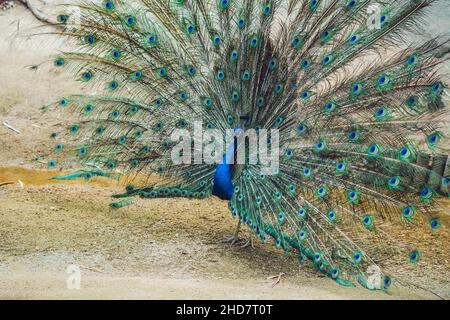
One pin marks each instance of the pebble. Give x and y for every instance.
(7, 5)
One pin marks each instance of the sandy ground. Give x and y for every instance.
(164, 248)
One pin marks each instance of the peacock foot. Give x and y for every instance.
(231, 240)
(234, 239)
(248, 243)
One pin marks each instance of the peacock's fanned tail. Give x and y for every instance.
(358, 107)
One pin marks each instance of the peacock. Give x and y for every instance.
(353, 110)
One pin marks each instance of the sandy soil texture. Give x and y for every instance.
(164, 248)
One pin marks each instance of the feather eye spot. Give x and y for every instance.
(367, 221)
(279, 88)
(82, 152)
(353, 136)
(87, 76)
(306, 172)
(88, 108)
(246, 75)
(190, 29)
(52, 163)
(191, 71)
(281, 217)
(273, 63)
(408, 212)
(426, 194)
(297, 42)
(306, 63)
(242, 23)
(109, 5)
(331, 216)
(63, 102)
(234, 55)
(434, 139)
(412, 101)
(115, 114)
(387, 282)
(394, 182)
(435, 224)
(305, 95)
(62, 18)
(353, 39)
(446, 181)
(313, 4)
(302, 235)
(356, 89)
(207, 102)
(224, 4)
(405, 154)
(302, 212)
(260, 102)
(357, 257)
(59, 147)
(162, 72)
(437, 87)
(317, 257)
(380, 112)
(327, 59)
(99, 130)
(91, 39)
(59, 62)
(412, 60)
(111, 165)
(329, 107)
(113, 85)
(183, 96)
(254, 41)
(278, 122)
(335, 273)
(267, 10)
(321, 192)
(373, 150)
(138, 134)
(351, 4)
(414, 256)
(217, 40)
(116, 54)
(341, 167)
(289, 153)
(320, 146)
(74, 128)
(152, 39)
(220, 75)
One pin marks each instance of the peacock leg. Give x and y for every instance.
(235, 237)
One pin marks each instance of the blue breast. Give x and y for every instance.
(223, 185)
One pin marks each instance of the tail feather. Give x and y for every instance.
(358, 107)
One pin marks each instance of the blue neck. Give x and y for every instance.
(223, 184)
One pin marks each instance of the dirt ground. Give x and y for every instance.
(157, 249)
